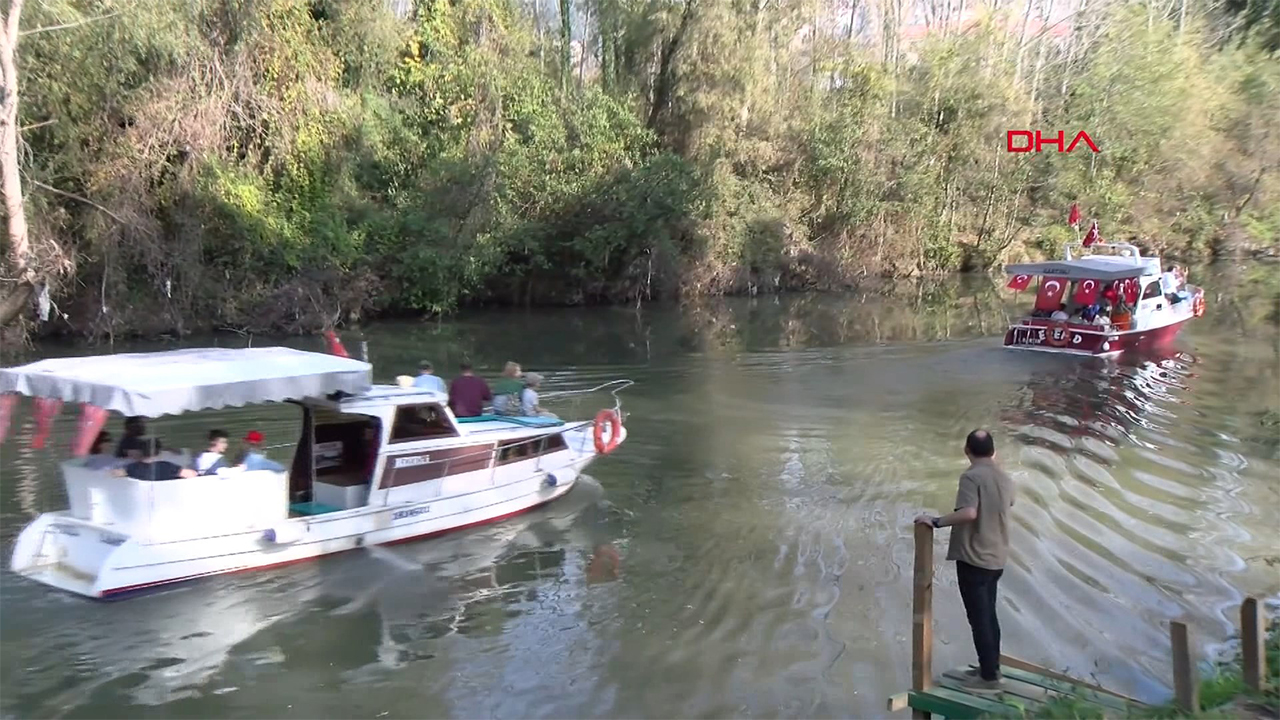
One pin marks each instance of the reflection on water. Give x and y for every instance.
(748, 550)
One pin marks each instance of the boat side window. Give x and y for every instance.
(421, 422)
(1151, 291)
(525, 448)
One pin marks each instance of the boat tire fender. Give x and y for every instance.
(610, 418)
(1197, 306)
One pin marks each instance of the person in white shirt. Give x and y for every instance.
(428, 380)
(208, 462)
(529, 397)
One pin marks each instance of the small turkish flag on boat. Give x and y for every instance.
(1087, 292)
(1019, 282)
(46, 409)
(8, 402)
(1073, 218)
(1093, 235)
(1049, 296)
(1131, 288)
(92, 418)
(335, 345)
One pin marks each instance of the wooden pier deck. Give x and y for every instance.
(1027, 688)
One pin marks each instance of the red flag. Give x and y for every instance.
(1073, 219)
(335, 345)
(8, 402)
(1019, 282)
(1093, 235)
(92, 418)
(1050, 294)
(1087, 292)
(1131, 291)
(46, 409)
(1112, 293)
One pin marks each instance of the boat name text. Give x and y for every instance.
(412, 461)
(411, 512)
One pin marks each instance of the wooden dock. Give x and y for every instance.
(1027, 688)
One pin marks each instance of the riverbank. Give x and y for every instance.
(284, 165)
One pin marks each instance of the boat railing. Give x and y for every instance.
(1127, 250)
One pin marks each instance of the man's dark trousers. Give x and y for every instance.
(978, 591)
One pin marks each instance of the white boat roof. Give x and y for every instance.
(1095, 267)
(178, 381)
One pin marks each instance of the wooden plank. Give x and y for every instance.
(1253, 629)
(952, 704)
(1078, 691)
(922, 614)
(1186, 686)
(1013, 662)
(901, 701)
(1027, 694)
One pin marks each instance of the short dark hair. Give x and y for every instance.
(464, 366)
(425, 365)
(215, 435)
(980, 444)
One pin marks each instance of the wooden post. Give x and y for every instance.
(1253, 628)
(922, 615)
(1186, 686)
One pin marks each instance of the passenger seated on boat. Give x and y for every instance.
(529, 397)
(208, 462)
(151, 467)
(427, 379)
(133, 443)
(99, 458)
(254, 459)
(506, 391)
(468, 393)
(1060, 313)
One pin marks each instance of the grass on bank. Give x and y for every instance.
(1223, 694)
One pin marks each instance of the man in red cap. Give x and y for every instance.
(254, 459)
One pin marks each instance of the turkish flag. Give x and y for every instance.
(1093, 235)
(1073, 218)
(1112, 293)
(1087, 292)
(46, 409)
(1019, 282)
(1050, 294)
(92, 418)
(335, 345)
(1131, 289)
(8, 402)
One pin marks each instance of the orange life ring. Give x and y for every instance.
(610, 418)
(1053, 329)
(1197, 306)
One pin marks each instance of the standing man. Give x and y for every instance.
(468, 393)
(980, 549)
(427, 379)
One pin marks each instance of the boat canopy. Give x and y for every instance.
(1098, 267)
(178, 381)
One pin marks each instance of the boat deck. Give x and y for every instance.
(1028, 689)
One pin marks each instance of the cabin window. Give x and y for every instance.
(525, 448)
(1152, 291)
(421, 422)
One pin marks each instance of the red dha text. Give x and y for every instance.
(1021, 141)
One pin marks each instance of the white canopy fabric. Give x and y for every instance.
(178, 381)
(1090, 268)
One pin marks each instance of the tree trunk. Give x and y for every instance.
(10, 177)
(566, 40)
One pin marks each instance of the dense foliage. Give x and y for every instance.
(288, 163)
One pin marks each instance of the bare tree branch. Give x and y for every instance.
(81, 198)
(65, 26)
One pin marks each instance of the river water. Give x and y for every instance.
(759, 512)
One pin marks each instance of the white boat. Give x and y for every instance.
(1158, 309)
(375, 464)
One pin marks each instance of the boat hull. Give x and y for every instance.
(1041, 336)
(98, 561)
